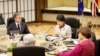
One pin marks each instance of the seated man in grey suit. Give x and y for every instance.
(18, 25)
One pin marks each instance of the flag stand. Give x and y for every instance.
(81, 17)
(94, 8)
(93, 24)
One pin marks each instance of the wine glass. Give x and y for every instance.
(11, 32)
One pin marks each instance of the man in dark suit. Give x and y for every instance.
(18, 25)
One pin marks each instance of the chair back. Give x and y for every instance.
(75, 24)
(29, 51)
(97, 47)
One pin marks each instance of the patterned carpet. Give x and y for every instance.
(49, 28)
(41, 27)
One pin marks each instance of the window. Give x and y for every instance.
(25, 7)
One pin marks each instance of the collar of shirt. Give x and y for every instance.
(17, 24)
(63, 28)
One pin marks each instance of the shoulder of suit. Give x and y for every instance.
(12, 23)
(23, 23)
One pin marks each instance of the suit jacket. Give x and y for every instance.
(12, 26)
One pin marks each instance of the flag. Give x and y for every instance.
(80, 7)
(94, 7)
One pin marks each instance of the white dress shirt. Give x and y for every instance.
(64, 32)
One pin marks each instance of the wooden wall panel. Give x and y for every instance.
(66, 3)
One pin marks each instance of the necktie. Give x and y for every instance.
(18, 27)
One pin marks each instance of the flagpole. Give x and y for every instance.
(81, 18)
(80, 9)
(94, 12)
(93, 23)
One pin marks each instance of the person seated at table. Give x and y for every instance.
(1, 19)
(29, 40)
(18, 25)
(84, 48)
(62, 30)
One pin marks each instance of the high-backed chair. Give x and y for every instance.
(11, 20)
(74, 23)
(29, 51)
(97, 47)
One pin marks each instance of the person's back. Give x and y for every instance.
(87, 48)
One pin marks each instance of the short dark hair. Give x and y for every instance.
(16, 14)
(85, 31)
(60, 17)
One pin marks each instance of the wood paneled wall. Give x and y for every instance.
(39, 5)
(69, 3)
